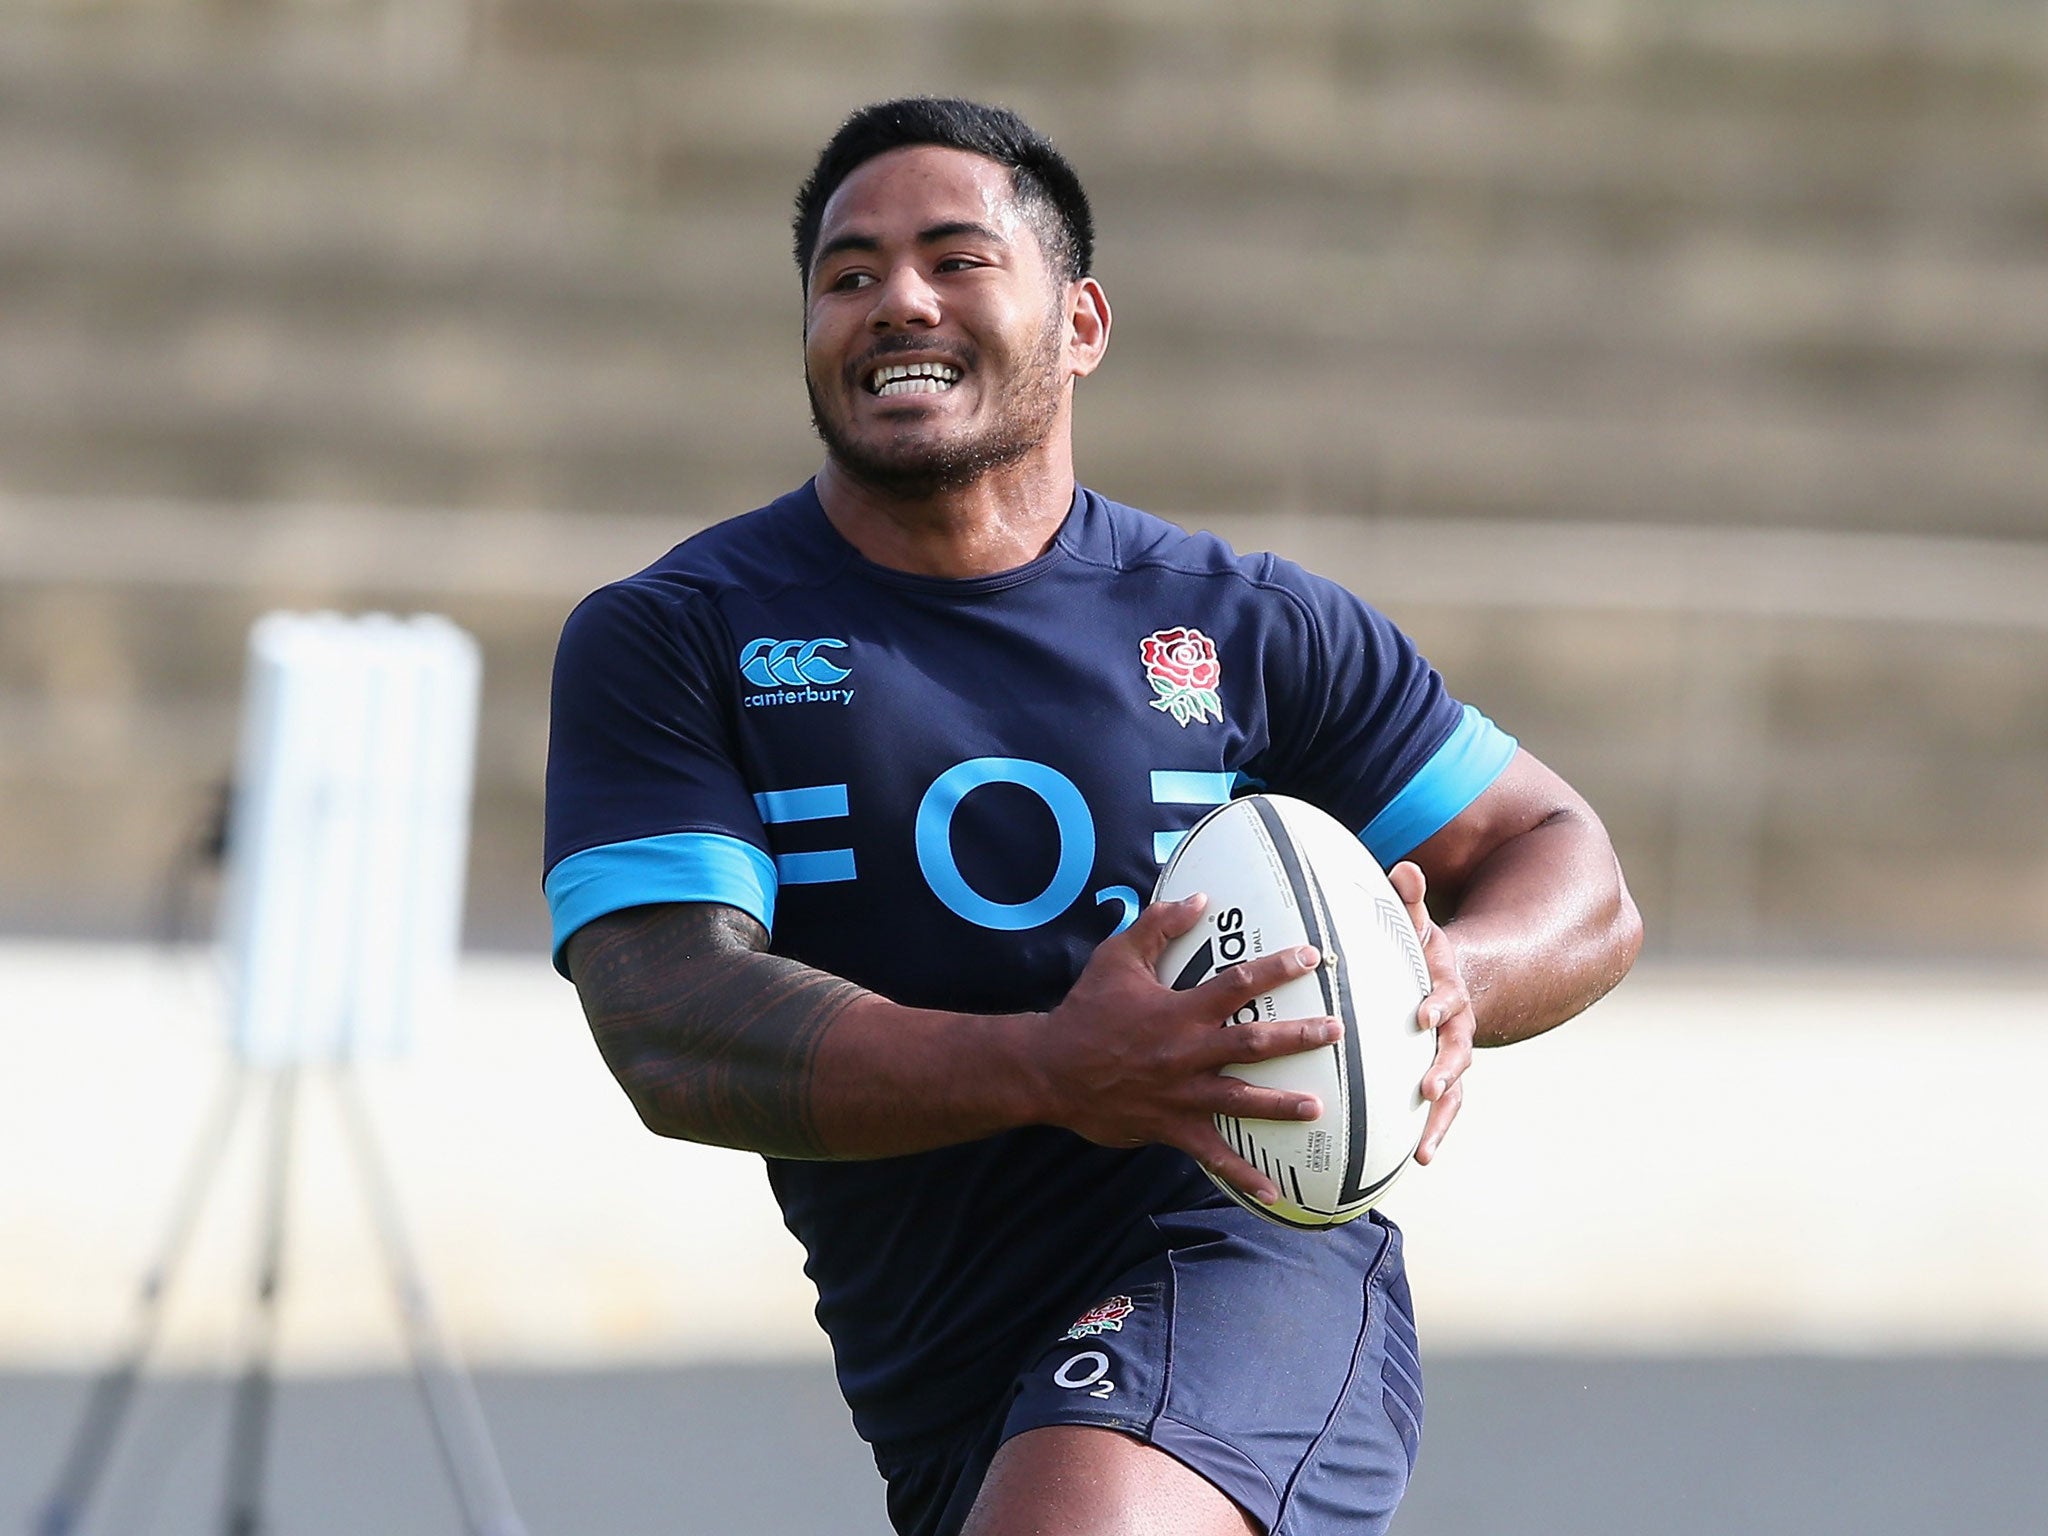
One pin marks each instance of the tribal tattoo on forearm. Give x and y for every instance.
(712, 1038)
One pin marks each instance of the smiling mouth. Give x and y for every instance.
(912, 379)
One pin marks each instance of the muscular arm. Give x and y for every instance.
(1536, 903)
(1524, 917)
(716, 1040)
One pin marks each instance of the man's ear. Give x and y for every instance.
(1087, 326)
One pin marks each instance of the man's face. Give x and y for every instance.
(935, 334)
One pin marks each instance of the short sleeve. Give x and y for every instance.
(645, 800)
(1363, 726)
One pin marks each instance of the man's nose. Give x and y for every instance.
(903, 298)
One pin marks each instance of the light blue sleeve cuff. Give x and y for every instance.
(1471, 758)
(677, 866)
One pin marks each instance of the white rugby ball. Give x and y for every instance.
(1280, 873)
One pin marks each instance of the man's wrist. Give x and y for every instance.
(906, 1079)
(1014, 1070)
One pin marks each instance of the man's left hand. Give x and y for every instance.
(1447, 1010)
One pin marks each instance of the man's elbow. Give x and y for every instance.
(643, 1075)
(657, 1098)
(656, 1115)
(1615, 925)
(1624, 937)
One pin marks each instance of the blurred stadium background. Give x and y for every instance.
(1676, 371)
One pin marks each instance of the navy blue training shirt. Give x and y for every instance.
(950, 792)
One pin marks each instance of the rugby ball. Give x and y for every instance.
(1280, 873)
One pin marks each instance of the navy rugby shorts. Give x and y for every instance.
(1280, 1365)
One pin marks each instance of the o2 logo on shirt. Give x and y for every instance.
(797, 671)
(932, 835)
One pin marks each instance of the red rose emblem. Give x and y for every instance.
(1104, 1317)
(1186, 658)
(1182, 668)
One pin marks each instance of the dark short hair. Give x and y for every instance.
(1046, 184)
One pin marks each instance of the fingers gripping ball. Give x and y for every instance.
(1280, 873)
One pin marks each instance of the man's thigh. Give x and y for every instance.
(1083, 1481)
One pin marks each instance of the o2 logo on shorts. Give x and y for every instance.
(1088, 1371)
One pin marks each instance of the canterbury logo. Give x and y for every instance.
(791, 663)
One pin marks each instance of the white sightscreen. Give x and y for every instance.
(349, 832)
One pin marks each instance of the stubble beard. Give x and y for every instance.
(922, 469)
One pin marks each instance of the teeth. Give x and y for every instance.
(913, 378)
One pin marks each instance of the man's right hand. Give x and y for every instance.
(1125, 1060)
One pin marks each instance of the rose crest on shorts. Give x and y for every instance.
(1104, 1317)
(1182, 668)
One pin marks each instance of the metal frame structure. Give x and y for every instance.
(345, 845)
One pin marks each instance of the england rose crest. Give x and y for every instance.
(1182, 668)
(1104, 1317)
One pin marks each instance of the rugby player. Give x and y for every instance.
(852, 801)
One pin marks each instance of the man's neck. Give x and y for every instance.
(1006, 518)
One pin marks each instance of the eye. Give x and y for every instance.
(957, 264)
(852, 279)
